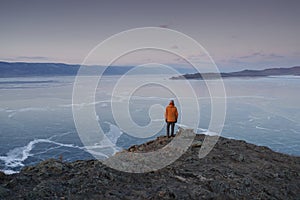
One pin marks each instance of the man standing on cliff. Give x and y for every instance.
(171, 116)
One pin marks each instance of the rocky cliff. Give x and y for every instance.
(234, 169)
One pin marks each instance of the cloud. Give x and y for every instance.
(257, 60)
(33, 57)
(254, 58)
(174, 47)
(27, 58)
(164, 26)
(296, 54)
(195, 58)
(261, 55)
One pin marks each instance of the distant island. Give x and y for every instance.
(245, 73)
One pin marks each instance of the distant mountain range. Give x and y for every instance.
(23, 69)
(245, 73)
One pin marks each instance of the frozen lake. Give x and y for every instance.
(36, 119)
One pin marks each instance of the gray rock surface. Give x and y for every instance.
(232, 170)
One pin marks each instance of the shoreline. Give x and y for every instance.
(180, 126)
(234, 169)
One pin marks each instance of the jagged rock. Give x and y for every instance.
(46, 168)
(2, 175)
(4, 192)
(197, 144)
(233, 169)
(181, 178)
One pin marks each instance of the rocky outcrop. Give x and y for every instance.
(232, 170)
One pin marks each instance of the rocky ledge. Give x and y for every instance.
(234, 169)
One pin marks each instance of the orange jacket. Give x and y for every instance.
(171, 113)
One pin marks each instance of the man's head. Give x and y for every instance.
(172, 102)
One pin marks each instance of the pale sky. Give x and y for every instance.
(237, 34)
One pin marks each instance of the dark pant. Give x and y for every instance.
(172, 124)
